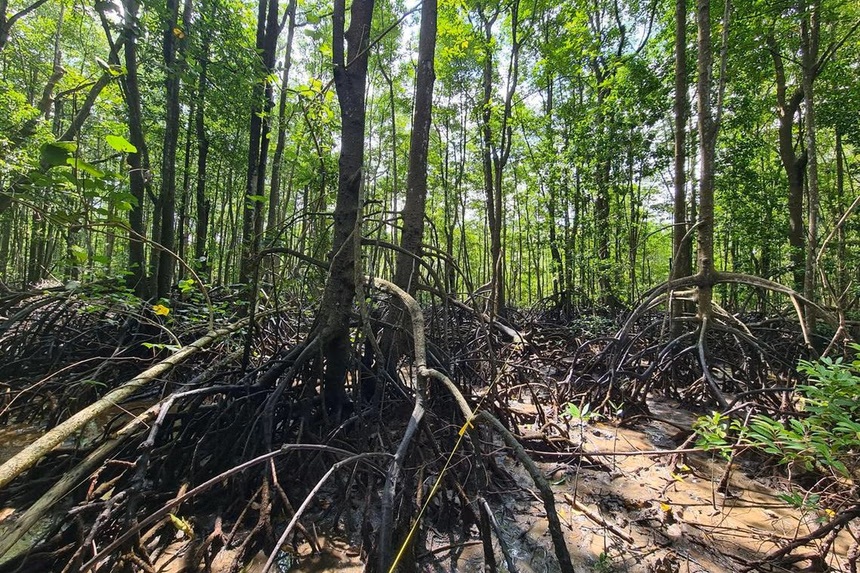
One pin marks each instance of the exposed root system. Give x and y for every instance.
(156, 433)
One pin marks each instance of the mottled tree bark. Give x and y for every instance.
(416, 178)
(350, 77)
(707, 145)
(793, 162)
(810, 32)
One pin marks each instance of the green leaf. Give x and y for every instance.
(79, 253)
(87, 168)
(57, 153)
(120, 143)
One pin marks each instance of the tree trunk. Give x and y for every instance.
(261, 107)
(558, 284)
(273, 223)
(416, 178)
(496, 151)
(405, 275)
(204, 206)
(810, 33)
(167, 195)
(707, 144)
(185, 190)
(139, 173)
(794, 164)
(681, 251)
(340, 289)
(487, 159)
(842, 250)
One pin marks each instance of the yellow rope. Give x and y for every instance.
(435, 487)
(466, 427)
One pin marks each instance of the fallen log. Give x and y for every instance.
(29, 456)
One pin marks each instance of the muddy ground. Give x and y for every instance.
(647, 513)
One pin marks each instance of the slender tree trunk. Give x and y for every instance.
(558, 286)
(842, 250)
(204, 206)
(261, 107)
(493, 222)
(167, 195)
(273, 223)
(139, 173)
(810, 32)
(603, 177)
(681, 252)
(707, 144)
(185, 191)
(496, 151)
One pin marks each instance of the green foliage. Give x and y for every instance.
(825, 435)
(120, 143)
(581, 414)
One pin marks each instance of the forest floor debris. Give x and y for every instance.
(622, 503)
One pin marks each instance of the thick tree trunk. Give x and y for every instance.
(793, 163)
(416, 178)
(350, 76)
(405, 275)
(405, 271)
